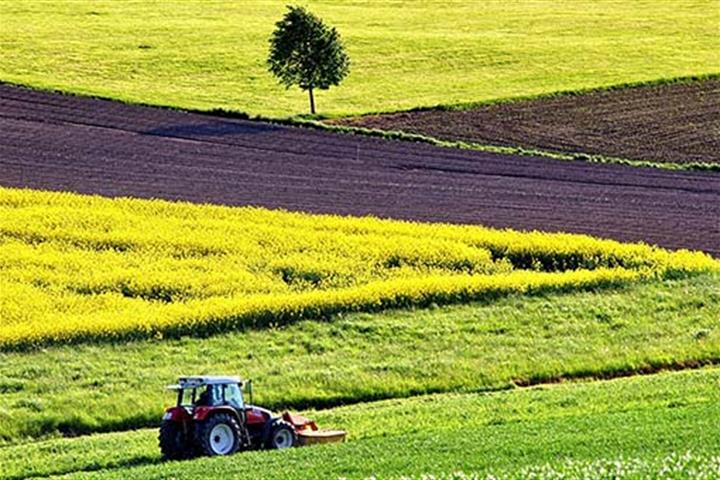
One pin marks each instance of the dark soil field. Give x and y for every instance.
(677, 123)
(94, 146)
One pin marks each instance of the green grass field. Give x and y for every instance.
(638, 425)
(211, 54)
(363, 357)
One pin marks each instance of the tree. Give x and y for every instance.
(306, 52)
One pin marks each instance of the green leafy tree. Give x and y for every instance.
(306, 52)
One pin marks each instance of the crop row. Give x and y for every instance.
(76, 267)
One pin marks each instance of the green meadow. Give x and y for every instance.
(637, 427)
(405, 54)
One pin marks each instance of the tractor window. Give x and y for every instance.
(233, 396)
(186, 396)
(209, 396)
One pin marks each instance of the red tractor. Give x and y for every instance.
(212, 418)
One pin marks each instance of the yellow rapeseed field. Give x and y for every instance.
(76, 267)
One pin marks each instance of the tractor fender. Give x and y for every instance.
(267, 429)
(176, 414)
(257, 415)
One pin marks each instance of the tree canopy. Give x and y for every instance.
(307, 53)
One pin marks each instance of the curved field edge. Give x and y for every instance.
(679, 80)
(642, 422)
(516, 150)
(355, 358)
(82, 268)
(124, 51)
(328, 124)
(417, 131)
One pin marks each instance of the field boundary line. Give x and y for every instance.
(559, 93)
(503, 150)
(449, 106)
(321, 123)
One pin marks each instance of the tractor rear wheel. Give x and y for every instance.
(174, 442)
(219, 435)
(282, 435)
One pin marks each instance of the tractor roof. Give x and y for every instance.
(199, 381)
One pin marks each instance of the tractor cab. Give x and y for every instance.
(208, 391)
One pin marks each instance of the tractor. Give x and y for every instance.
(211, 418)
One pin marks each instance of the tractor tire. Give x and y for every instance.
(282, 435)
(174, 444)
(219, 435)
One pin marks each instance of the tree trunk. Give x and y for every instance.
(312, 101)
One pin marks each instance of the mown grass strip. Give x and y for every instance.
(500, 149)
(504, 433)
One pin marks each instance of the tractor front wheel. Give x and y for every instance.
(174, 443)
(282, 435)
(219, 435)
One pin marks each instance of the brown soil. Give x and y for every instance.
(95, 146)
(663, 123)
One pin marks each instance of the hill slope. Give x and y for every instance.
(404, 54)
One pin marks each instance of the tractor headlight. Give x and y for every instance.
(167, 416)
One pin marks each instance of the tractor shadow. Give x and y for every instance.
(138, 461)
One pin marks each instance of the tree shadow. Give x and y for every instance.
(218, 128)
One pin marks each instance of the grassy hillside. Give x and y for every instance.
(209, 54)
(363, 357)
(628, 428)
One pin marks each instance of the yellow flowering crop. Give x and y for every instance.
(76, 267)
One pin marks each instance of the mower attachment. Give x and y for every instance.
(308, 432)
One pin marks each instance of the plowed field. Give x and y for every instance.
(664, 123)
(94, 146)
